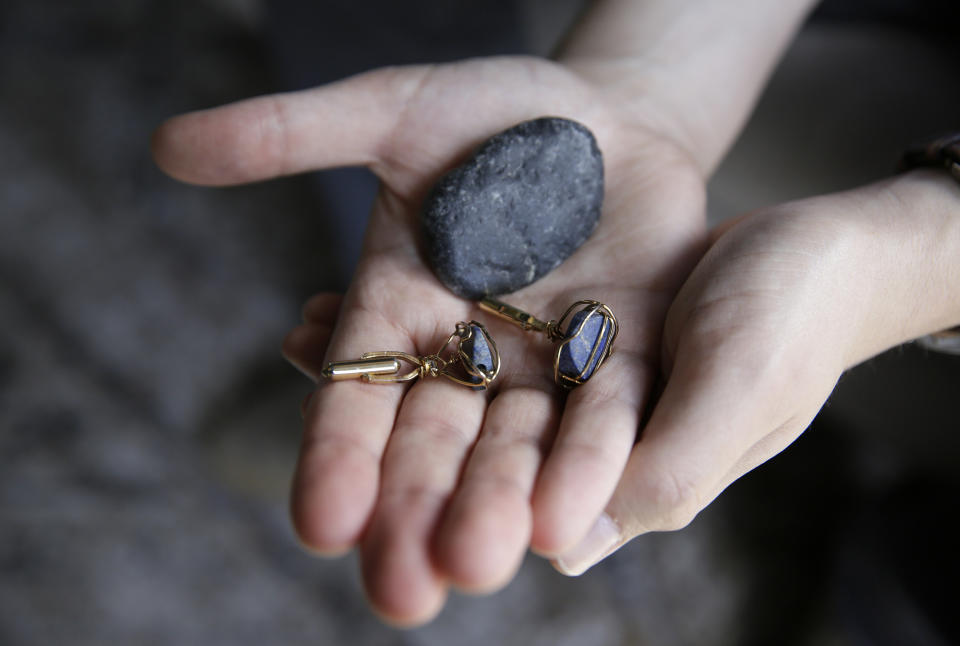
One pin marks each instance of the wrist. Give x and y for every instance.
(694, 68)
(909, 231)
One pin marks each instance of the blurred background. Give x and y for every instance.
(148, 426)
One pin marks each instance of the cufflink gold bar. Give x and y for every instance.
(377, 367)
(474, 362)
(516, 316)
(583, 346)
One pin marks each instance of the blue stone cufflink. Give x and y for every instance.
(474, 362)
(584, 343)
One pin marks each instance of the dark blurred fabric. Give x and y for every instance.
(926, 16)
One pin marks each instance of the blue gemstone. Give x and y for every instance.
(480, 354)
(580, 355)
(478, 349)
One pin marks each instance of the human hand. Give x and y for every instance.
(436, 484)
(784, 301)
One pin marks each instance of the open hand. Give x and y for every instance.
(437, 484)
(784, 301)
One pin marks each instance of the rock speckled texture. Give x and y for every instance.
(525, 201)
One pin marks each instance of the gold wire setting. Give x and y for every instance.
(554, 331)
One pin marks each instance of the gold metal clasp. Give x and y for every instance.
(513, 314)
(374, 367)
(341, 370)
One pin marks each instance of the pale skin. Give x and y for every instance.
(439, 486)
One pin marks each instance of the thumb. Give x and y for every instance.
(345, 123)
(726, 409)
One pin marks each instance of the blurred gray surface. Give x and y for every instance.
(148, 426)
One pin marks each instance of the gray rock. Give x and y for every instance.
(526, 200)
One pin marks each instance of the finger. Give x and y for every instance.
(598, 429)
(348, 423)
(437, 424)
(304, 347)
(726, 225)
(661, 484)
(341, 124)
(345, 431)
(717, 407)
(322, 308)
(486, 529)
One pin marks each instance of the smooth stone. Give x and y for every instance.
(575, 355)
(527, 199)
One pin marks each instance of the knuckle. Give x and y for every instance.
(502, 487)
(435, 429)
(671, 499)
(598, 457)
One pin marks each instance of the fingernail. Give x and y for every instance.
(600, 541)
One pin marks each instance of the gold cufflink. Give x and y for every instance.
(474, 362)
(583, 345)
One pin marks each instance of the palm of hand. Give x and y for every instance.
(438, 484)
